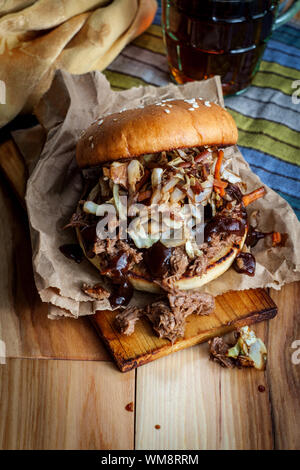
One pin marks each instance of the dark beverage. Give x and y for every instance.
(217, 37)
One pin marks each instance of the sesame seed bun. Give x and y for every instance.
(167, 125)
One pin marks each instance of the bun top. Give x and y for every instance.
(166, 125)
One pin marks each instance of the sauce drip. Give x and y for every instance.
(253, 236)
(118, 266)
(122, 294)
(157, 259)
(223, 224)
(72, 251)
(123, 290)
(207, 212)
(245, 263)
(129, 406)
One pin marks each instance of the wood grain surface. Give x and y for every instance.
(52, 404)
(200, 405)
(24, 325)
(13, 166)
(49, 404)
(283, 373)
(232, 310)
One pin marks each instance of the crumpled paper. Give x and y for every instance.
(55, 185)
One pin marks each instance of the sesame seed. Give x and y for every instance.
(167, 111)
(207, 103)
(90, 137)
(100, 122)
(191, 109)
(92, 145)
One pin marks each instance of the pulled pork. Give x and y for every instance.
(114, 247)
(96, 291)
(126, 319)
(246, 351)
(218, 349)
(178, 262)
(210, 250)
(172, 186)
(168, 314)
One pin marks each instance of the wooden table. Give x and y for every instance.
(75, 403)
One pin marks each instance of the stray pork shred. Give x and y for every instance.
(247, 351)
(218, 349)
(95, 291)
(167, 314)
(126, 319)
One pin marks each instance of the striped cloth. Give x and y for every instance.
(267, 118)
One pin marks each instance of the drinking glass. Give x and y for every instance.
(204, 38)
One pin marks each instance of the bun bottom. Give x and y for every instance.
(218, 266)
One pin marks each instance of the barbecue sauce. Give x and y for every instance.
(122, 289)
(245, 263)
(221, 224)
(121, 294)
(72, 251)
(253, 236)
(157, 259)
(118, 266)
(129, 406)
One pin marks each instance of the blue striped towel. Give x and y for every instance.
(267, 115)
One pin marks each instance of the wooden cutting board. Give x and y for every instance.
(233, 309)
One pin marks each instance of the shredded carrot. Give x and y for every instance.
(220, 183)
(220, 191)
(251, 197)
(276, 238)
(218, 186)
(218, 164)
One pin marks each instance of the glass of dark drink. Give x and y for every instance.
(204, 38)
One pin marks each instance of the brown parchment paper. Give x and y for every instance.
(54, 188)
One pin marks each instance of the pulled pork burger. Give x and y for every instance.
(162, 171)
